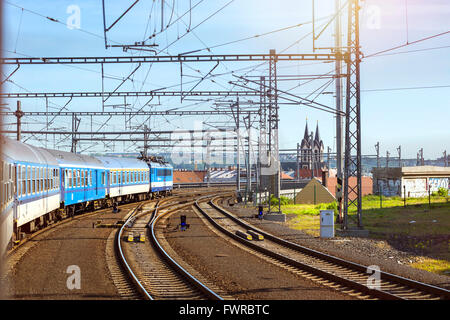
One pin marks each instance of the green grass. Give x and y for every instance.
(438, 266)
(426, 235)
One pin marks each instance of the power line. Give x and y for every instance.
(408, 44)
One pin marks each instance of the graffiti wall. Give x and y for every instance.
(436, 183)
(389, 187)
(416, 187)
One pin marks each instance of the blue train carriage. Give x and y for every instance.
(83, 182)
(128, 179)
(161, 178)
(29, 189)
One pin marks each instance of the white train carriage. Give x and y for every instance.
(127, 178)
(30, 185)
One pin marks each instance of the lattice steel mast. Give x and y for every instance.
(353, 194)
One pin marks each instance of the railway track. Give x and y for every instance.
(153, 271)
(326, 269)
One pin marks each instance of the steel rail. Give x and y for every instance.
(354, 266)
(123, 260)
(326, 275)
(208, 292)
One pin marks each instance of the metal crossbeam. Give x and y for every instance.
(123, 113)
(127, 94)
(179, 58)
(117, 132)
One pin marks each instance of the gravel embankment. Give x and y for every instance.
(239, 273)
(41, 273)
(359, 250)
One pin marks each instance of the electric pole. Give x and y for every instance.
(338, 81)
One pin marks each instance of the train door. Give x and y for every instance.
(63, 174)
(96, 183)
(164, 178)
(119, 181)
(17, 189)
(108, 182)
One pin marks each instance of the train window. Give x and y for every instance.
(42, 179)
(77, 173)
(70, 179)
(38, 176)
(103, 177)
(16, 180)
(82, 178)
(28, 180)
(23, 180)
(33, 178)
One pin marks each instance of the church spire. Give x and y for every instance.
(306, 135)
(317, 137)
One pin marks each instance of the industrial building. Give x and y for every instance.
(413, 182)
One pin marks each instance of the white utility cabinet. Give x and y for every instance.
(326, 223)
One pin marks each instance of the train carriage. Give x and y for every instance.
(161, 179)
(83, 181)
(29, 188)
(128, 178)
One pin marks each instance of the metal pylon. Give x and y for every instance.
(273, 120)
(353, 194)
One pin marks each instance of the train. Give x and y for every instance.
(40, 186)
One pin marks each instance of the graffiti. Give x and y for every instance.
(389, 187)
(436, 183)
(415, 187)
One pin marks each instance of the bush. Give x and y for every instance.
(284, 201)
(442, 192)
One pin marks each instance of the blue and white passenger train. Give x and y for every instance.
(39, 186)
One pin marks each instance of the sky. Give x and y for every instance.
(405, 93)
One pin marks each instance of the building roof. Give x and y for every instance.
(417, 171)
(285, 176)
(188, 176)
